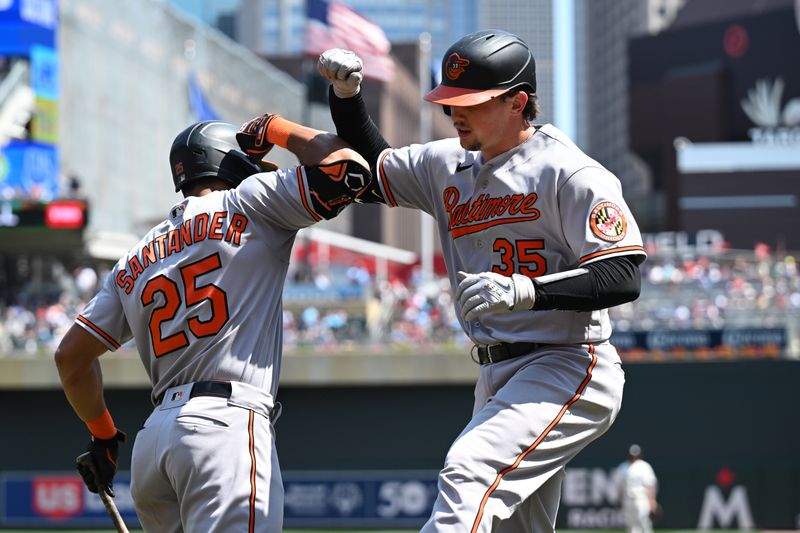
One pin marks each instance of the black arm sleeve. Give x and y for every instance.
(354, 125)
(609, 282)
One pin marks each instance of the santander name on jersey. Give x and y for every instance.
(216, 226)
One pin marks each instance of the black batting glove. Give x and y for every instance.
(252, 137)
(98, 465)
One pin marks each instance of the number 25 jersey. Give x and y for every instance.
(202, 292)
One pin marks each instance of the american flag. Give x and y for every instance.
(331, 24)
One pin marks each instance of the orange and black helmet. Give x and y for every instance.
(483, 65)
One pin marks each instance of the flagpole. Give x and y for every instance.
(283, 27)
(426, 222)
(306, 68)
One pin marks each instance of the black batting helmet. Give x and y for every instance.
(209, 150)
(483, 65)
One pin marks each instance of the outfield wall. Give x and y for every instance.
(722, 437)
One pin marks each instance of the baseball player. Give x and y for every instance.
(638, 487)
(201, 296)
(538, 243)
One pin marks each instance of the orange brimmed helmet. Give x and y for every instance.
(481, 66)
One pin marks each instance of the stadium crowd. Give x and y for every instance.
(732, 290)
(345, 307)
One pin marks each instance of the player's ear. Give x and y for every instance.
(518, 103)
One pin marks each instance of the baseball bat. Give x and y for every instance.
(111, 508)
(113, 512)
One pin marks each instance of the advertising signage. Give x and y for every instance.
(746, 68)
(26, 23)
(726, 496)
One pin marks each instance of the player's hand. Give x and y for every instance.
(656, 511)
(98, 465)
(344, 69)
(252, 136)
(488, 292)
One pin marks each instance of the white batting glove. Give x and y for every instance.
(344, 69)
(488, 292)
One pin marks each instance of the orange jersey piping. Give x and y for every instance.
(303, 195)
(621, 249)
(536, 443)
(108, 338)
(385, 181)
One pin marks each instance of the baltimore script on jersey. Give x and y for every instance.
(491, 210)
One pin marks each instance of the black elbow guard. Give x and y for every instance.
(371, 193)
(334, 186)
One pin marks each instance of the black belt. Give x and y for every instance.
(505, 350)
(221, 389)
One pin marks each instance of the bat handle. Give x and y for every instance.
(113, 512)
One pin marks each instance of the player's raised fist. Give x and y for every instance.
(344, 69)
(252, 136)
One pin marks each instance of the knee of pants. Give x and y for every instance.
(462, 466)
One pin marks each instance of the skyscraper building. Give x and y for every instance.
(609, 25)
(532, 20)
(600, 31)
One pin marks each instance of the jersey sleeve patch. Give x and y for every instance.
(608, 222)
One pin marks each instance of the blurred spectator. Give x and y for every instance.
(73, 187)
(86, 282)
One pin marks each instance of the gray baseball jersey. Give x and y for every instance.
(197, 313)
(202, 295)
(543, 207)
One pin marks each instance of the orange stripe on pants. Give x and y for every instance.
(252, 527)
(536, 443)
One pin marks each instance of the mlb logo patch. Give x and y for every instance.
(176, 396)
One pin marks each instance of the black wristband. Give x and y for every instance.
(354, 125)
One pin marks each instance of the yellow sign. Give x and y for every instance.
(44, 125)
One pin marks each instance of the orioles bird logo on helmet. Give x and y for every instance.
(456, 65)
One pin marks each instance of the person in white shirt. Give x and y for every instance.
(638, 487)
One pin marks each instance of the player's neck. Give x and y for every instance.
(508, 142)
(207, 188)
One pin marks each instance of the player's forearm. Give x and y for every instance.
(83, 385)
(354, 125)
(603, 284)
(79, 370)
(313, 147)
(310, 145)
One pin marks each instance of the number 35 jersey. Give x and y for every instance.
(201, 293)
(541, 208)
